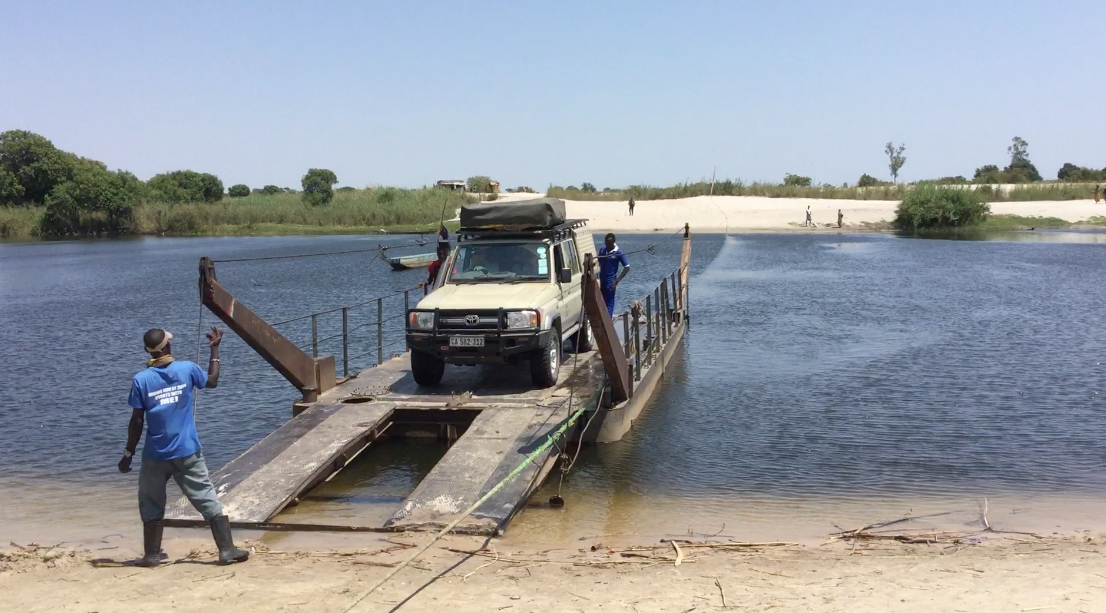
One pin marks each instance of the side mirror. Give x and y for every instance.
(564, 276)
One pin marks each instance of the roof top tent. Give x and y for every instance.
(521, 218)
(455, 185)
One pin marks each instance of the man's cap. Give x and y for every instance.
(609, 235)
(156, 339)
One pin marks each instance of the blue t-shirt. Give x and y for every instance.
(165, 393)
(608, 266)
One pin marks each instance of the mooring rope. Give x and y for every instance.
(550, 441)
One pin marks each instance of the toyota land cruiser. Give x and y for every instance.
(509, 292)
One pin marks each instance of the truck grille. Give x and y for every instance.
(472, 320)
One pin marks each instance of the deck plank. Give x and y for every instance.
(461, 476)
(259, 483)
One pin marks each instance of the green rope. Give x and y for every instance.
(553, 436)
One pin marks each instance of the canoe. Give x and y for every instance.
(405, 262)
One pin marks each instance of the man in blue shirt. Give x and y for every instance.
(161, 396)
(610, 256)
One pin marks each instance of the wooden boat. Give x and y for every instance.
(407, 262)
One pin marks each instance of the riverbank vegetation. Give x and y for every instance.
(930, 207)
(48, 192)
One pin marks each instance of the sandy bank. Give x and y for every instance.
(999, 573)
(747, 213)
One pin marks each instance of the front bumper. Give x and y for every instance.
(499, 347)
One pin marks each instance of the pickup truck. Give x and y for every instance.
(510, 291)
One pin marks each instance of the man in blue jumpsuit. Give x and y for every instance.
(610, 257)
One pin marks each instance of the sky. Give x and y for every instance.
(612, 93)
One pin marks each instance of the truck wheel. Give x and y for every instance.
(584, 339)
(427, 369)
(545, 363)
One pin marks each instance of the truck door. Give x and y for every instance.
(571, 293)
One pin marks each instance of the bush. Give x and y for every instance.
(1079, 174)
(588, 188)
(94, 201)
(272, 189)
(522, 189)
(796, 180)
(478, 183)
(928, 207)
(186, 186)
(318, 186)
(867, 180)
(238, 191)
(988, 174)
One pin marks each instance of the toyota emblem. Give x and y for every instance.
(472, 320)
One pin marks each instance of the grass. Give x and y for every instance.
(1020, 222)
(362, 211)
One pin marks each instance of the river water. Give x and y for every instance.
(826, 380)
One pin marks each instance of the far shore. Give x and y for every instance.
(718, 214)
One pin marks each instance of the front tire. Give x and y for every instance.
(584, 339)
(545, 363)
(426, 368)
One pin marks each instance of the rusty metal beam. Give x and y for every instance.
(311, 376)
(614, 362)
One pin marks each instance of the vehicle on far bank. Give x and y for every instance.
(509, 292)
(453, 185)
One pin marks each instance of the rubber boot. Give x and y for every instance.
(151, 544)
(228, 553)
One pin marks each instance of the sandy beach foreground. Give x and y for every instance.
(996, 573)
(751, 214)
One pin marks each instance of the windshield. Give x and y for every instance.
(501, 262)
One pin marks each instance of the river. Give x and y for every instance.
(825, 380)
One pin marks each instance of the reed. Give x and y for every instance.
(930, 207)
(350, 210)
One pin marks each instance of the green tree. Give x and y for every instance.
(796, 180)
(988, 174)
(318, 186)
(895, 159)
(36, 163)
(11, 192)
(867, 180)
(94, 201)
(588, 188)
(238, 191)
(272, 189)
(1020, 170)
(186, 186)
(478, 183)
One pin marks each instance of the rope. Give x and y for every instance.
(295, 255)
(550, 441)
(651, 248)
(553, 436)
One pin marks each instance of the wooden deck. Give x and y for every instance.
(513, 419)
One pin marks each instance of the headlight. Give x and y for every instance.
(522, 319)
(420, 320)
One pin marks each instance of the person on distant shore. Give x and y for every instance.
(1096, 194)
(632, 203)
(443, 235)
(808, 222)
(436, 265)
(840, 217)
(610, 257)
(161, 395)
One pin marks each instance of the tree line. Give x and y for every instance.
(80, 196)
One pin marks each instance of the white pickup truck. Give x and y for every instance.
(510, 291)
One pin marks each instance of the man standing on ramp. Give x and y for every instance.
(610, 256)
(161, 396)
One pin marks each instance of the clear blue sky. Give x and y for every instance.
(530, 93)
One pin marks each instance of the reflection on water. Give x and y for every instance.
(823, 381)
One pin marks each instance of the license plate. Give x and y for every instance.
(466, 341)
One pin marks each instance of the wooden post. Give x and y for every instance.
(345, 341)
(379, 331)
(648, 328)
(636, 314)
(314, 335)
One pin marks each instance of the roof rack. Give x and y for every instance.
(555, 232)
